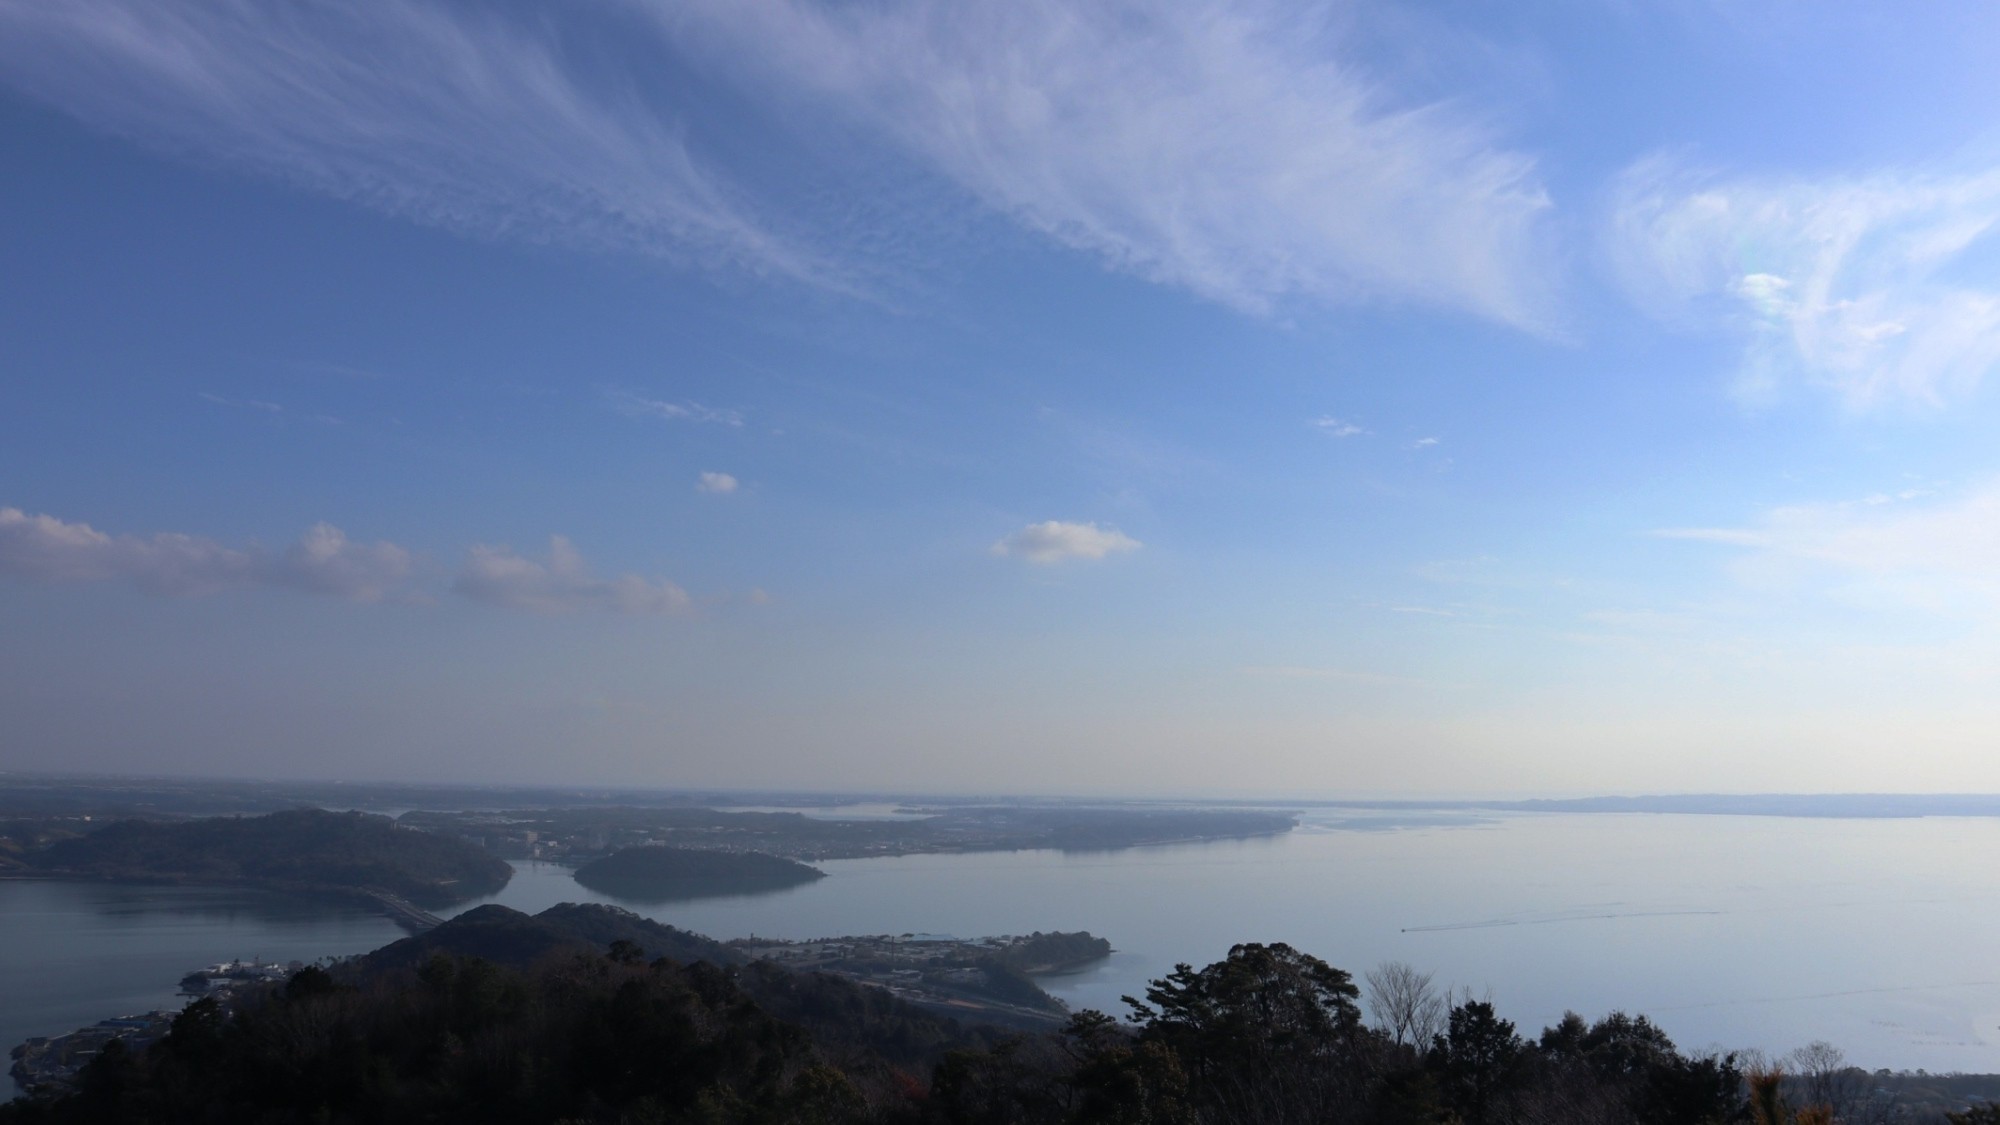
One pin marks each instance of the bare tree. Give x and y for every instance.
(1826, 1079)
(1405, 1004)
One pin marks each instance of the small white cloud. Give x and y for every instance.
(1336, 427)
(324, 561)
(498, 576)
(635, 406)
(716, 483)
(1054, 540)
(1423, 443)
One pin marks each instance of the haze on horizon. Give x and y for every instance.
(1233, 397)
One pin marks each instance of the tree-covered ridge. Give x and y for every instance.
(609, 1039)
(300, 849)
(508, 937)
(661, 873)
(1267, 1036)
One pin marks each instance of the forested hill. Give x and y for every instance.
(508, 937)
(1057, 952)
(301, 849)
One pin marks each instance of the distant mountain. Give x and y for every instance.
(300, 849)
(666, 874)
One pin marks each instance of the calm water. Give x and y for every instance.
(1878, 936)
(75, 953)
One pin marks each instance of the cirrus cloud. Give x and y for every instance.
(637, 406)
(1054, 541)
(1234, 149)
(1869, 286)
(1909, 547)
(439, 113)
(1230, 149)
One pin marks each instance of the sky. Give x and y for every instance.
(1233, 398)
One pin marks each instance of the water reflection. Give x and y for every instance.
(140, 903)
(76, 953)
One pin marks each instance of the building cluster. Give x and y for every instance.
(52, 1061)
(226, 975)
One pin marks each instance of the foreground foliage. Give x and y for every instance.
(1267, 1036)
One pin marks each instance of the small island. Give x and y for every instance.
(656, 873)
(309, 851)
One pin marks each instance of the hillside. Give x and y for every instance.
(843, 1016)
(301, 850)
(508, 937)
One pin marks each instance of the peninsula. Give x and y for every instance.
(302, 850)
(574, 835)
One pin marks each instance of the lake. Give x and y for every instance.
(1875, 935)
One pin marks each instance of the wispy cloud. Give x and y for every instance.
(243, 403)
(1336, 427)
(1054, 541)
(1231, 149)
(719, 484)
(324, 561)
(1910, 547)
(273, 410)
(444, 114)
(563, 584)
(636, 406)
(1871, 286)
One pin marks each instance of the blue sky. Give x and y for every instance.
(1097, 397)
